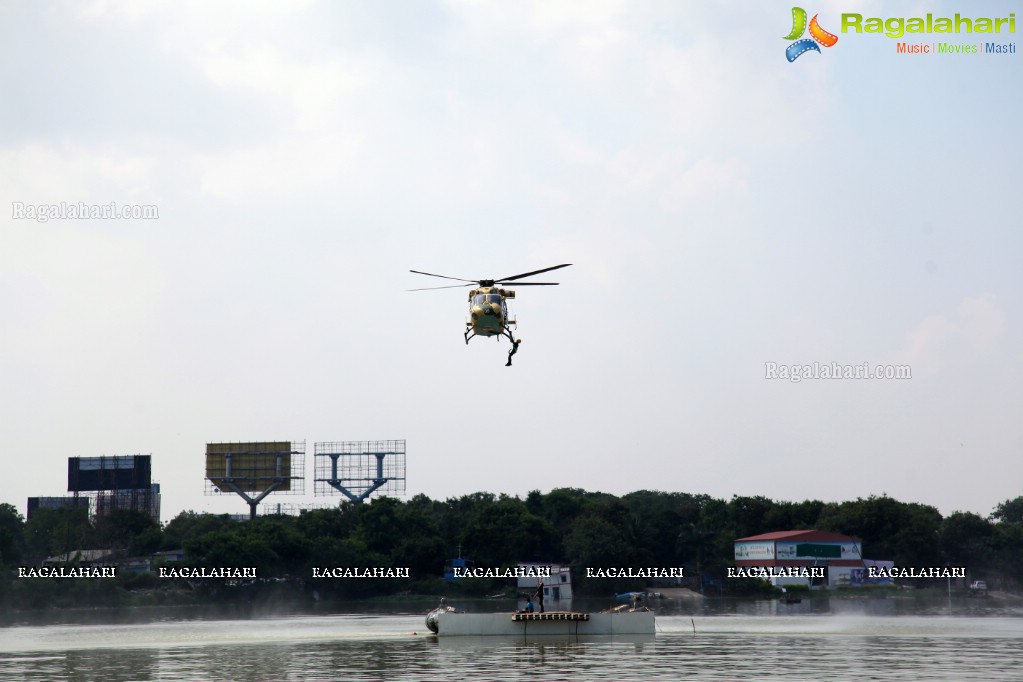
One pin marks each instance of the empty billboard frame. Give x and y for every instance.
(358, 468)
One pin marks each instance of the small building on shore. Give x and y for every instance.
(86, 558)
(556, 587)
(834, 556)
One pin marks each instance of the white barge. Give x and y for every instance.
(445, 621)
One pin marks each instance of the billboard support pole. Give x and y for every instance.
(365, 467)
(376, 483)
(253, 501)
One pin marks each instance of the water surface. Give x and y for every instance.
(855, 644)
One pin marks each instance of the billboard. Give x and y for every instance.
(129, 472)
(252, 467)
(861, 576)
(35, 503)
(819, 550)
(754, 551)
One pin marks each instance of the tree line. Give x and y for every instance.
(565, 525)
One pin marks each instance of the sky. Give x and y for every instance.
(724, 211)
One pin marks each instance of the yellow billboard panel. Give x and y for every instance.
(250, 466)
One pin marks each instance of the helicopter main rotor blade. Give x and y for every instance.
(450, 286)
(458, 279)
(531, 284)
(530, 274)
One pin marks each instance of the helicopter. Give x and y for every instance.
(488, 304)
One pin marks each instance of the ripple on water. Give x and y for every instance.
(384, 648)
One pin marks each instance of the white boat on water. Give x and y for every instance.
(446, 621)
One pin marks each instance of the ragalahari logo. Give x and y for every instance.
(818, 35)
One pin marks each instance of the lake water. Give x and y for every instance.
(732, 641)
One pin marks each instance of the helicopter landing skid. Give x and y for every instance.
(471, 334)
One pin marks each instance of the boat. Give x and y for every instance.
(453, 567)
(638, 596)
(445, 621)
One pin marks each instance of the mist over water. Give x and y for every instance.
(732, 640)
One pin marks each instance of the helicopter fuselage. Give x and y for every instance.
(488, 310)
(488, 307)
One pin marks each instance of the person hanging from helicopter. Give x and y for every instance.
(488, 304)
(513, 351)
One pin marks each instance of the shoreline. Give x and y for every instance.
(676, 601)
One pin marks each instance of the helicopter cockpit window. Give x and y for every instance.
(479, 299)
(495, 298)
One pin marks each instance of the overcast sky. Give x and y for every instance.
(722, 209)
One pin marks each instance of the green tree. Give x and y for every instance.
(1010, 511)
(794, 515)
(716, 521)
(1008, 543)
(319, 524)
(907, 533)
(503, 532)
(749, 515)
(968, 540)
(562, 506)
(190, 524)
(132, 531)
(657, 519)
(51, 532)
(601, 539)
(288, 550)
(12, 535)
(229, 548)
